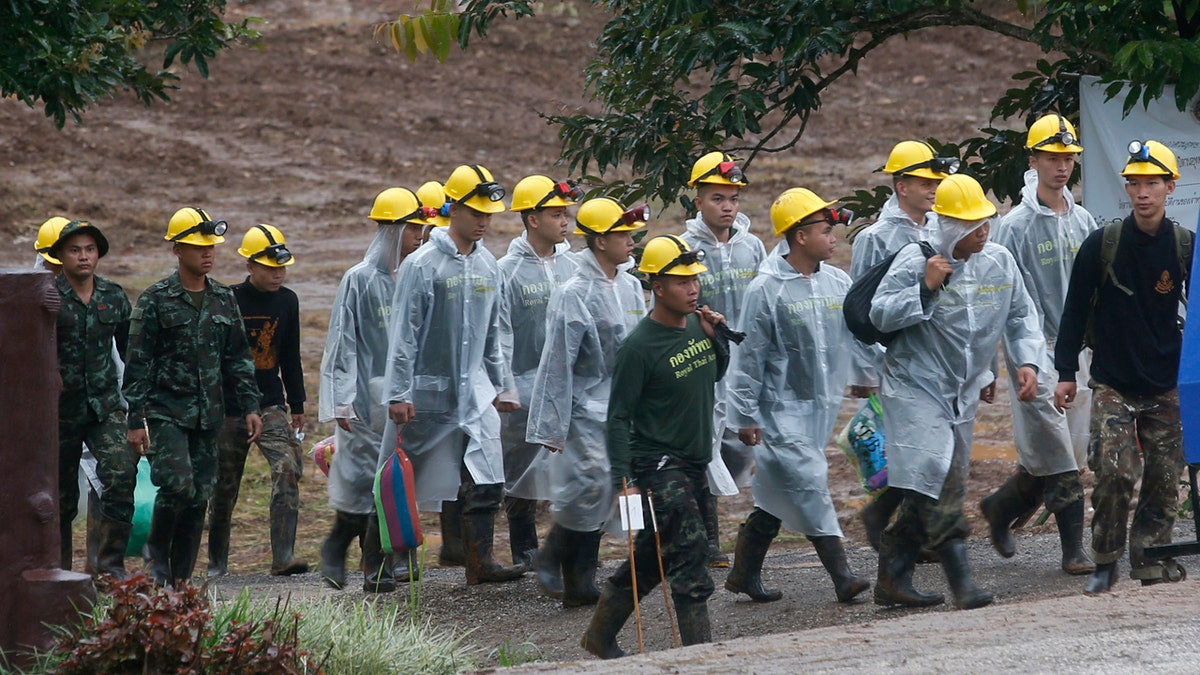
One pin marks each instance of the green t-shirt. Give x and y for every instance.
(662, 396)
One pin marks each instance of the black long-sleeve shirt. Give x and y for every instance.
(1136, 338)
(272, 321)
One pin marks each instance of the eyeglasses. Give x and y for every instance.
(729, 170)
(488, 189)
(1063, 136)
(212, 228)
(277, 251)
(947, 165)
(1139, 151)
(564, 189)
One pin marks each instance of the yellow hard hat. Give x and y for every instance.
(671, 255)
(916, 158)
(47, 235)
(473, 185)
(541, 192)
(193, 226)
(1150, 158)
(717, 168)
(793, 206)
(1053, 133)
(961, 197)
(603, 215)
(265, 244)
(395, 204)
(431, 195)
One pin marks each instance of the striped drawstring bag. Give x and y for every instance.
(396, 504)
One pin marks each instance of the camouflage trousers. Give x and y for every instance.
(116, 465)
(1134, 436)
(183, 464)
(676, 490)
(278, 446)
(1057, 491)
(932, 522)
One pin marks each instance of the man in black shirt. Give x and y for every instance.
(1126, 285)
(271, 315)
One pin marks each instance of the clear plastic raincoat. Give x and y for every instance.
(933, 371)
(788, 378)
(527, 281)
(732, 265)
(587, 320)
(355, 351)
(445, 359)
(1044, 244)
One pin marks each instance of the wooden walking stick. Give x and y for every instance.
(662, 574)
(637, 612)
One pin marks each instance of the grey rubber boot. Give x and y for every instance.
(1070, 533)
(748, 557)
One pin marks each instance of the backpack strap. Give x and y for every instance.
(1184, 240)
(1108, 254)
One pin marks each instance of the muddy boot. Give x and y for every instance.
(548, 562)
(218, 545)
(746, 575)
(893, 586)
(1070, 533)
(406, 566)
(958, 572)
(185, 544)
(346, 528)
(377, 566)
(692, 615)
(452, 553)
(522, 529)
(878, 513)
(66, 550)
(612, 610)
(1002, 508)
(283, 542)
(158, 543)
(582, 554)
(1102, 579)
(712, 530)
(94, 519)
(833, 556)
(114, 538)
(477, 535)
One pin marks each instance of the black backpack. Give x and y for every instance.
(857, 305)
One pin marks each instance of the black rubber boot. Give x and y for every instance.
(452, 554)
(612, 611)
(218, 544)
(114, 538)
(482, 567)
(283, 542)
(548, 562)
(67, 549)
(833, 556)
(94, 535)
(346, 528)
(692, 615)
(377, 566)
(958, 572)
(582, 557)
(1070, 532)
(522, 529)
(406, 567)
(1102, 580)
(185, 543)
(712, 531)
(746, 575)
(1001, 509)
(893, 586)
(878, 513)
(158, 543)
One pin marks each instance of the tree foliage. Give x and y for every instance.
(675, 78)
(66, 55)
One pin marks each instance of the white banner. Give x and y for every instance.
(1105, 136)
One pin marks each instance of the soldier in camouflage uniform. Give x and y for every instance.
(186, 340)
(659, 436)
(95, 311)
(1125, 303)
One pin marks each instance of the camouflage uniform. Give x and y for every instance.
(89, 406)
(1120, 424)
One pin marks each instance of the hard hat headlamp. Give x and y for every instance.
(729, 170)
(444, 210)
(563, 189)
(1139, 151)
(488, 189)
(947, 165)
(207, 226)
(276, 251)
(1063, 136)
(638, 214)
(428, 212)
(685, 256)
